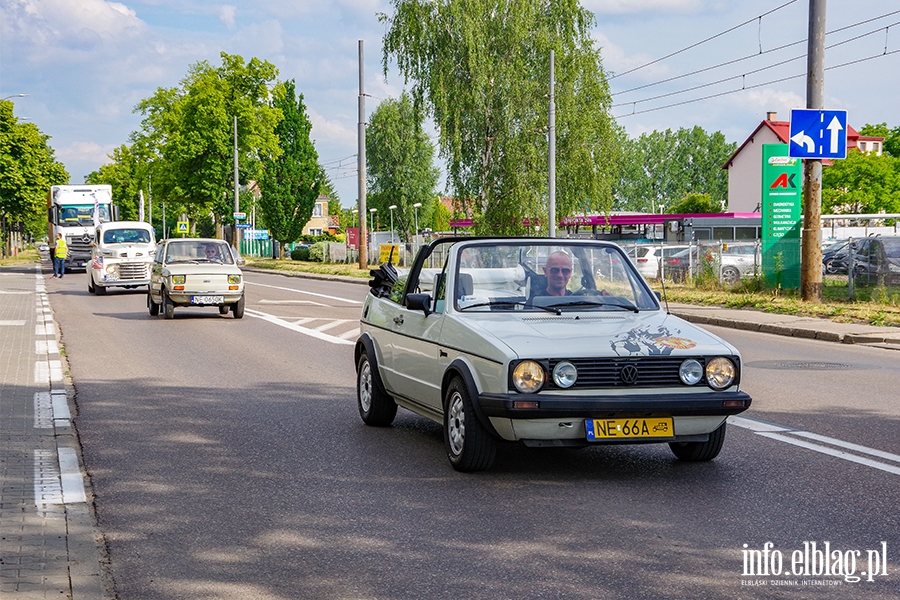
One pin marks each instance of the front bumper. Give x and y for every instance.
(184, 298)
(657, 404)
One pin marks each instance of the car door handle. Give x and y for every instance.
(398, 320)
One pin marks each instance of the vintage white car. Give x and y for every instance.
(195, 272)
(121, 255)
(549, 342)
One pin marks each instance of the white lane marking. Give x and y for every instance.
(292, 302)
(849, 446)
(294, 327)
(60, 402)
(46, 347)
(832, 452)
(12, 323)
(353, 333)
(42, 373)
(47, 490)
(70, 477)
(782, 433)
(333, 324)
(43, 411)
(287, 289)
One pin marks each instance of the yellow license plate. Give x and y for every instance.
(627, 429)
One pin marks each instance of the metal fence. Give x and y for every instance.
(863, 269)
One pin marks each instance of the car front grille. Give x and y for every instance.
(644, 372)
(134, 271)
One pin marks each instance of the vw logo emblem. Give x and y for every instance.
(629, 374)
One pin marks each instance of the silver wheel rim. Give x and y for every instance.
(456, 424)
(365, 386)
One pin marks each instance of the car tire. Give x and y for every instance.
(100, 290)
(152, 306)
(91, 288)
(376, 407)
(470, 447)
(829, 267)
(731, 275)
(224, 308)
(168, 306)
(700, 451)
(238, 308)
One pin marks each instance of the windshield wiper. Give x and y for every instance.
(510, 303)
(623, 304)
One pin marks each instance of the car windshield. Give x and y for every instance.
(126, 236)
(539, 275)
(198, 251)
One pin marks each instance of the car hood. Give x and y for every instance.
(600, 334)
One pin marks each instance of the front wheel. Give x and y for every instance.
(238, 309)
(91, 288)
(168, 306)
(470, 447)
(376, 407)
(152, 306)
(700, 451)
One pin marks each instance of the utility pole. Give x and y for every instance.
(234, 228)
(811, 250)
(551, 134)
(361, 168)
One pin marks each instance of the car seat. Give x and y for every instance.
(465, 285)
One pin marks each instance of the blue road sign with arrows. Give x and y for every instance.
(818, 133)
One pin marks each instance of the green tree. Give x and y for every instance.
(291, 177)
(694, 204)
(661, 167)
(481, 69)
(27, 170)
(400, 164)
(190, 129)
(127, 175)
(861, 184)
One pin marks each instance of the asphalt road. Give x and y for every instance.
(228, 461)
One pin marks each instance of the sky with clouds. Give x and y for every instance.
(85, 64)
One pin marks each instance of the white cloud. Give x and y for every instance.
(227, 14)
(84, 152)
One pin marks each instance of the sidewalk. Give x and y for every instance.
(48, 542)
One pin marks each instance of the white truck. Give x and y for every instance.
(75, 211)
(121, 255)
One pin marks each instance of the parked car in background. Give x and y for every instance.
(551, 343)
(736, 259)
(43, 247)
(877, 261)
(648, 258)
(195, 272)
(835, 257)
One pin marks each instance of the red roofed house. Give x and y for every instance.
(745, 165)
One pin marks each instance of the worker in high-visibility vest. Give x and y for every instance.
(59, 257)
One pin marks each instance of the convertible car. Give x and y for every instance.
(546, 342)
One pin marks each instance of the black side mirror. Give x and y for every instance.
(419, 302)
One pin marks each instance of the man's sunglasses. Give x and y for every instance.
(557, 270)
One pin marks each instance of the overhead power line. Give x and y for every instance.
(718, 35)
(760, 53)
(750, 87)
(753, 72)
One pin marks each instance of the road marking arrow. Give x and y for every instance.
(834, 127)
(801, 139)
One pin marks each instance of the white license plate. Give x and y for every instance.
(207, 299)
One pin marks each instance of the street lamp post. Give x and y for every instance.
(15, 96)
(372, 212)
(391, 208)
(416, 207)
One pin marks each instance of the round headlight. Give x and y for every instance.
(528, 376)
(565, 374)
(720, 373)
(112, 269)
(691, 371)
